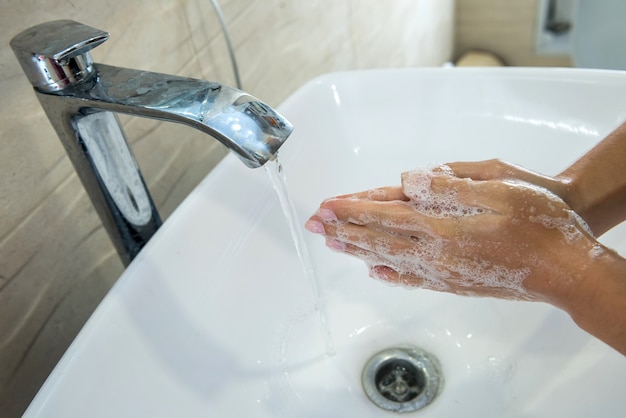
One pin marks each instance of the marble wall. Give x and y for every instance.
(505, 28)
(56, 262)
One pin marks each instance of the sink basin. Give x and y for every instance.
(216, 318)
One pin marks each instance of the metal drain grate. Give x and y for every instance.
(402, 379)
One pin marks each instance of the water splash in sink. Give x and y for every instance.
(278, 178)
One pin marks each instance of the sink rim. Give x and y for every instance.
(122, 286)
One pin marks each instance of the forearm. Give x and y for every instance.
(596, 183)
(599, 304)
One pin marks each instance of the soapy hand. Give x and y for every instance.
(494, 229)
(441, 230)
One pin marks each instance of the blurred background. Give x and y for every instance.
(56, 262)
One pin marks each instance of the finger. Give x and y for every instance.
(485, 170)
(500, 170)
(379, 194)
(423, 280)
(383, 269)
(398, 217)
(389, 275)
(446, 195)
(383, 243)
(422, 256)
(435, 274)
(405, 219)
(315, 226)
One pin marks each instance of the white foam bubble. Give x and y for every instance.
(377, 194)
(416, 185)
(596, 251)
(571, 226)
(581, 222)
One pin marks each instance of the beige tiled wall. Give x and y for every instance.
(505, 28)
(56, 262)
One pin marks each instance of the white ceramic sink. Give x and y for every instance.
(214, 317)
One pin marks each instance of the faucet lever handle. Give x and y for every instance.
(55, 54)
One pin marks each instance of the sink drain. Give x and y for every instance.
(402, 379)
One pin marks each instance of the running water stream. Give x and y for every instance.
(279, 181)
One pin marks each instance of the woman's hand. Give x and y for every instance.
(504, 238)
(494, 229)
(488, 229)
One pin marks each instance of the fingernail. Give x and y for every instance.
(326, 215)
(383, 273)
(314, 226)
(335, 245)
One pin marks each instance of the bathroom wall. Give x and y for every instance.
(56, 262)
(505, 28)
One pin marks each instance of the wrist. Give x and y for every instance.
(597, 302)
(567, 188)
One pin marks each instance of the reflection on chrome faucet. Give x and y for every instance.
(81, 99)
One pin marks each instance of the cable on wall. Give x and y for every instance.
(231, 51)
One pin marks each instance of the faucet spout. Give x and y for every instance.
(81, 100)
(248, 127)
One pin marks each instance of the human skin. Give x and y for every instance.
(495, 229)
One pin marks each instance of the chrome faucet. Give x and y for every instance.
(81, 98)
